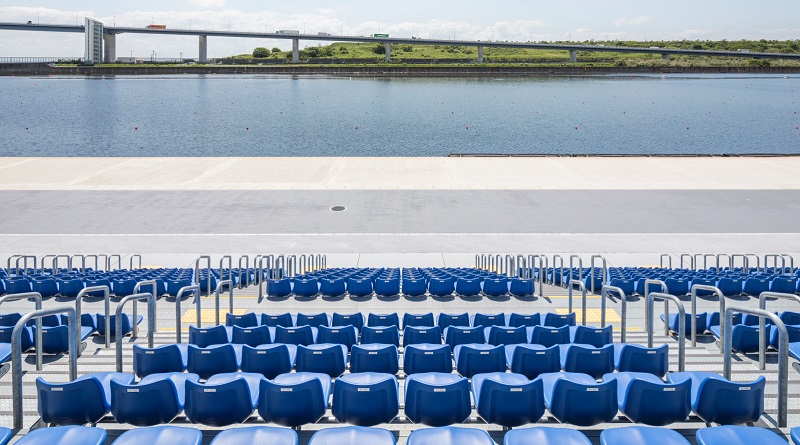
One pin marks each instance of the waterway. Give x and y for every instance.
(216, 115)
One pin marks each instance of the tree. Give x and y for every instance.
(379, 49)
(260, 52)
(276, 50)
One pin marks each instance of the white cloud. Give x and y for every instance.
(209, 4)
(632, 21)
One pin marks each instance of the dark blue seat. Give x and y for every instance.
(638, 358)
(739, 435)
(161, 435)
(712, 319)
(70, 287)
(124, 287)
(587, 359)
(717, 400)
(175, 285)
(374, 357)
(26, 340)
(294, 399)
(202, 337)
(414, 287)
(544, 435)
(273, 320)
(677, 286)
(359, 287)
(743, 338)
(300, 335)
(589, 335)
(255, 435)
(387, 335)
(645, 398)
(269, 360)
(529, 320)
(332, 287)
(533, 360)
(508, 400)
(578, 399)
(479, 358)
(436, 399)
(343, 335)
(356, 320)
(627, 285)
(785, 285)
(754, 286)
(215, 359)
(225, 399)
(352, 435)
(389, 287)
(488, 320)
(161, 359)
(247, 320)
(446, 320)
(5, 435)
(374, 320)
(279, 288)
(506, 335)
(521, 287)
(65, 435)
(305, 287)
(495, 287)
(10, 319)
(449, 436)
(795, 433)
(730, 286)
(127, 324)
(55, 339)
(793, 330)
(365, 399)
(421, 358)
(325, 358)
(84, 400)
(701, 320)
(5, 353)
(418, 320)
(421, 334)
(441, 287)
(790, 318)
(313, 320)
(18, 286)
(45, 286)
(638, 435)
(468, 287)
(251, 336)
(460, 335)
(156, 399)
(549, 336)
(559, 320)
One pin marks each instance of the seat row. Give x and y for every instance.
(174, 435)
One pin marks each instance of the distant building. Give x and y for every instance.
(94, 41)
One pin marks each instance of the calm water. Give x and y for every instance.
(322, 116)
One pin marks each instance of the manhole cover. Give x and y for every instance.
(338, 208)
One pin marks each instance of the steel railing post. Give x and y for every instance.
(651, 297)
(605, 292)
(150, 299)
(37, 297)
(106, 306)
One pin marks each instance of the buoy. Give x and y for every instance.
(576, 127)
(135, 128)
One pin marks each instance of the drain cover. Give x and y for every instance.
(338, 208)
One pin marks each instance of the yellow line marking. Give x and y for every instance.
(208, 315)
(593, 315)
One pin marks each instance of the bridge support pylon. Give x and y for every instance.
(480, 54)
(109, 48)
(388, 52)
(573, 55)
(295, 50)
(665, 57)
(203, 49)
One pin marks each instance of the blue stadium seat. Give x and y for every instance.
(365, 399)
(509, 400)
(645, 398)
(127, 324)
(530, 320)
(305, 287)
(468, 287)
(638, 435)
(386, 335)
(533, 360)
(446, 320)
(359, 287)
(175, 286)
(65, 435)
(521, 287)
(379, 320)
(124, 287)
(460, 335)
(627, 286)
(785, 285)
(795, 434)
(332, 287)
(352, 435)
(677, 286)
(589, 335)
(70, 287)
(343, 335)
(436, 399)
(549, 336)
(414, 287)
(356, 320)
(55, 339)
(544, 435)
(422, 358)
(506, 335)
(84, 400)
(495, 287)
(559, 320)
(225, 399)
(793, 330)
(273, 320)
(418, 320)
(10, 319)
(374, 357)
(487, 320)
(161, 435)
(300, 335)
(638, 358)
(421, 334)
(156, 399)
(215, 359)
(247, 320)
(578, 399)
(702, 323)
(279, 288)
(269, 360)
(325, 358)
(26, 340)
(45, 286)
(161, 359)
(5, 435)
(712, 319)
(203, 337)
(743, 338)
(738, 435)
(256, 435)
(449, 436)
(479, 358)
(787, 317)
(717, 400)
(294, 399)
(754, 286)
(313, 320)
(388, 287)
(251, 336)
(730, 286)
(441, 287)
(587, 359)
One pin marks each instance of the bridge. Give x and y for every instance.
(110, 33)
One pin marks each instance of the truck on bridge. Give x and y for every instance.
(292, 32)
(156, 26)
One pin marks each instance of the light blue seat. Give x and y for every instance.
(795, 434)
(587, 359)
(202, 337)
(225, 399)
(161, 435)
(738, 435)
(375, 357)
(251, 336)
(450, 436)
(437, 399)
(506, 335)
(460, 335)
(215, 359)
(256, 435)
(269, 360)
(638, 435)
(645, 398)
(365, 399)
(161, 359)
(544, 435)
(300, 335)
(387, 335)
(701, 323)
(533, 360)
(127, 324)
(421, 334)
(578, 399)
(5, 435)
(64, 435)
(155, 400)
(422, 358)
(638, 358)
(55, 339)
(589, 335)
(343, 335)
(294, 399)
(325, 358)
(478, 358)
(509, 400)
(549, 336)
(744, 338)
(84, 400)
(717, 400)
(349, 435)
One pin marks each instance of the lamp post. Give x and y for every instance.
(190, 23)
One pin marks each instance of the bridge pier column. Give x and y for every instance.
(573, 55)
(295, 50)
(203, 49)
(109, 48)
(665, 57)
(480, 54)
(388, 52)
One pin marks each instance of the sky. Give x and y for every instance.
(518, 20)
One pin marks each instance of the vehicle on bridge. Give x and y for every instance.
(156, 26)
(292, 32)
(380, 35)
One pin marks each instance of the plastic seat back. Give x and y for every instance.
(343, 335)
(422, 358)
(294, 399)
(356, 320)
(75, 403)
(449, 436)
(468, 287)
(583, 404)
(313, 320)
(587, 359)
(446, 320)
(305, 287)
(495, 287)
(154, 402)
(441, 287)
(206, 362)
(374, 320)
(387, 335)
(161, 359)
(365, 399)
(546, 436)
(330, 359)
(418, 320)
(435, 399)
(218, 405)
(509, 400)
(506, 335)
(418, 335)
(332, 287)
(243, 321)
(596, 337)
(414, 287)
(256, 435)
(638, 358)
(352, 435)
(460, 335)
(359, 287)
(382, 358)
(203, 337)
(300, 335)
(559, 320)
(161, 435)
(550, 336)
(273, 320)
(522, 287)
(269, 360)
(530, 320)
(740, 435)
(488, 320)
(65, 435)
(251, 336)
(474, 359)
(645, 398)
(533, 360)
(729, 403)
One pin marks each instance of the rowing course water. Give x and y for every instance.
(197, 115)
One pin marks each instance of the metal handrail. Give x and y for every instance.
(136, 290)
(38, 307)
(302, 264)
(511, 265)
(83, 262)
(572, 283)
(16, 354)
(44, 257)
(107, 307)
(693, 297)
(24, 259)
(580, 267)
(651, 297)
(119, 261)
(691, 260)
(521, 267)
(542, 269)
(280, 266)
(230, 296)
(105, 261)
(55, 261)
(758, 259)
(140, 261)
(561, 272)
(324, 261)
(775, 256)
(183, 290)
(8, 261)
(783, 354)
(197, 273)
(151, 303)
(312, 264)
(730, 261)
(661, 260)
(705, 257)
(762, 341)
(647, 284)
(230, 267)
(96, 260)
(791, 261)
(261, 277)
(605, 292)
(605, 271)
(291, 265)
(745, 261)
(696, 260)
(246, 269)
